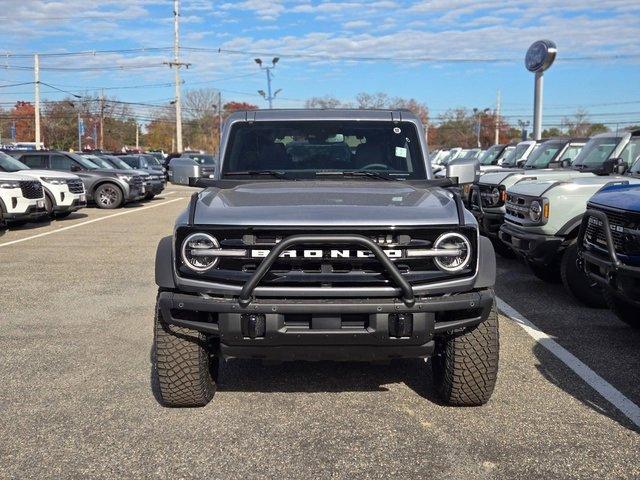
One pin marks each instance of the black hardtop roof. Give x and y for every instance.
(324, 114)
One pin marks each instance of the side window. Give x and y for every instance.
(571, 152)
(34, 161)
(60, 162)
(143, 163)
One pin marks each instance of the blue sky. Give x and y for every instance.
(327, 34)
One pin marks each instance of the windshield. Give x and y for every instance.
(151, 159)
(544, 155)
(10, 164)
(304, 148)
(85, 162)
(203, 159)
(99, 161)
(596, 151)
(631, 152)
(489, 157)
(511, 158)
(118, 163)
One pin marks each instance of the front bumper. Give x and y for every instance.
(533, 246)
(604, 266)
(76, 204)
(155, 187)
(322, 329)
(33, 212)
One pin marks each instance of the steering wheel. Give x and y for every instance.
(375, 166)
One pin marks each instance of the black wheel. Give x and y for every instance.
(546, 273)
(61, 215)
(576, 281)
(624, 310)
(503, 250)
(48, 206)
(184, 371)
(108, 195)
(149, 196)
(465, 365)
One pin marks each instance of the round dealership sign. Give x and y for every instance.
(540, 55)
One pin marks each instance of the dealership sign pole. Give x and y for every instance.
(539, 58)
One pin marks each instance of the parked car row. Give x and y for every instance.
(36, 185)
(552, 212)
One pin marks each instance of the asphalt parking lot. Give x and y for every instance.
(75, 338)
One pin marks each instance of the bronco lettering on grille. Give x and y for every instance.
(319, 253)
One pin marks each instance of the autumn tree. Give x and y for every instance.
(23, 114)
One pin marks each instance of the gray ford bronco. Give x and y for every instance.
(324, 236)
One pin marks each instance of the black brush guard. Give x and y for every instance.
(246, 293)
(611, 265)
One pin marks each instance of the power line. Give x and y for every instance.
(425, 59)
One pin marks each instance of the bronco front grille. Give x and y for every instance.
(75, 186)
(625, 231)
(31, 189)
(327, 265)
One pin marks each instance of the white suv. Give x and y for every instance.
(21, 199)
(64, 192)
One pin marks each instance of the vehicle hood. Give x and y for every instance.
(496, 178)
(566, 186)
(16, 177)
(625, 197)
(49, 173)
(114, 171)
(326, 203)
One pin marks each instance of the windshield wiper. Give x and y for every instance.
(271, 173)
(360, 173)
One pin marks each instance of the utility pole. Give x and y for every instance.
(176, 64)
(497, 137)
(36, 71)
(269, 97)
(80, 132)
(137, 136)
(102, 120)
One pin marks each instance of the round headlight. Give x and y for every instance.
(454, 242)
(194, 255)
(535, 211)
(495, 196)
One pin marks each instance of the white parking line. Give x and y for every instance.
(599, 384)
(76, 225)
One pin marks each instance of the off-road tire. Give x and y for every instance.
(61, 215)
(113, 196)
(503, 250)
(577, 283)
(465, 365)
(48, 206)
(546, 273)
(149, 196)
(625, 311)
(183, 368)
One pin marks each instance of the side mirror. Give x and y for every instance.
(565, 163)
(620, 168)
(463, 171)
(75, 168)
(520, 163)
(609, 165)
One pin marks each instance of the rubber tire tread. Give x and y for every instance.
(548, 274)
(576, 282)
(465, 367)
(182, 366)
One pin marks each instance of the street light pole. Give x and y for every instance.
(269, 97)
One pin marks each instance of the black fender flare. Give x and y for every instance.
(486, 264)
(571, 227)
(164, 264)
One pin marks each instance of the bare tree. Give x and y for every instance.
(324, 102)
